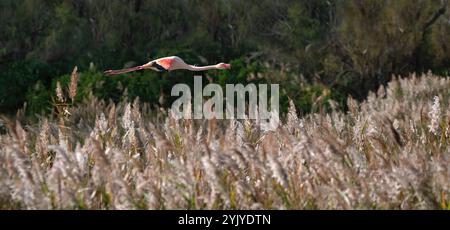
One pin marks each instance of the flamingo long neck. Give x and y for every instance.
(201, 68)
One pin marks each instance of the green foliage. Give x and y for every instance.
(311, 98)
(38, 99)
(241, 72)
(383, 37)
(16, 78)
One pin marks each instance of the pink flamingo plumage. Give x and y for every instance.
(168, 64)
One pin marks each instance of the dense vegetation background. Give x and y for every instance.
(316, 49)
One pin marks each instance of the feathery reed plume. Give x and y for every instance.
(435, 116)
(292, 119)
(73, 84)
(277, 171)
(59, 92)
(126, 118)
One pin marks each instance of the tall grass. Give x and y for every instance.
(388, 152)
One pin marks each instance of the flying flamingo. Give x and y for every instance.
(168, 64)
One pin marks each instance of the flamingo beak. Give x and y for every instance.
(227, 66)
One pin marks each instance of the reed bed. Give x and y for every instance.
(390, 151)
